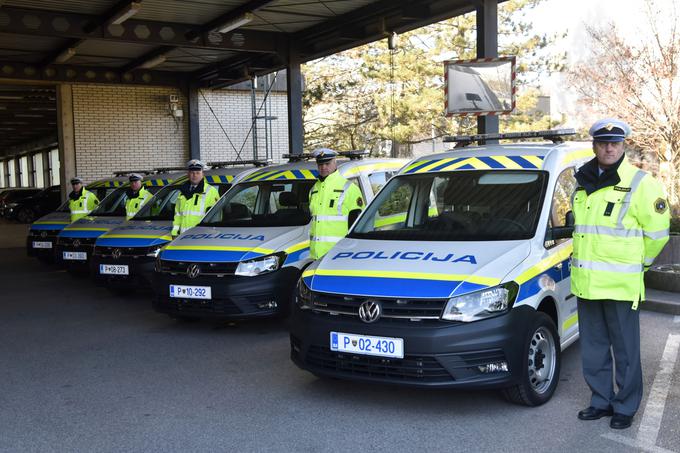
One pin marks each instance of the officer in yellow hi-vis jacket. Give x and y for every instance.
(80, 201)
(621, 224)
(334, 203)
(195, 199)
(137, 196)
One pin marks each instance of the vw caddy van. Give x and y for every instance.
(456, 275)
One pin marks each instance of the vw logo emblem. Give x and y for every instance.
(116, 253)
(193, 270)
(370, 311)
(76, 242)
(43, 234)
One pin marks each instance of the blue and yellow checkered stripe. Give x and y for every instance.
(278, 175)
(157, 182)
(220, 179)
(526, 162)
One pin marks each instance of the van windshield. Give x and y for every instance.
(162, 205)
(263, 204)
(113, 205)
(100, 192)
(476, 205)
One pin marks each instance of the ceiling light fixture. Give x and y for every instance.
(127, 12)
(66, 55)
(152, 63)
(236, 23)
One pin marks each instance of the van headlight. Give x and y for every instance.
(482, 304)
(261, 265)
(303, 295)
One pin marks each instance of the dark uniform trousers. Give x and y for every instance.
(606, 327)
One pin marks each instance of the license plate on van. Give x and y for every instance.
(367, 345)
(42, 245)
(76, 256)
(114, 269)
(190, 292)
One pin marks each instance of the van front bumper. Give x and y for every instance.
(233, 297)
(436, 353)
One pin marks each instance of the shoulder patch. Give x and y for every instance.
(360, 201)
(660, 205)
(622, 189)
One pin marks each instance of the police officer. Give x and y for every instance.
(621, 224)
(334, 203)
(80, 201)
(195, 199)
(137, 196)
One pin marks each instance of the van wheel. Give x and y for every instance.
(541, 365)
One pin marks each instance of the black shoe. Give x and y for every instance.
(593, 413)
(620, 421)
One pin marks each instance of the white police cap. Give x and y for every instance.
(609, 130)
(195, 164)
(323, 155)
(76, 180)
(135, 177)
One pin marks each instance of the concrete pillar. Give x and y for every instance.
(30, 168)
(17, 171)
(194, 124)
(487, 47)
(294, 80)
(67, 137)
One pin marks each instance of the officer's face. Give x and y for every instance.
(326, 168)
(608, 153)
(77, 186)
(136, 185)
(195, 176)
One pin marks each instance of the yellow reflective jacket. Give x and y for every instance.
(622, 222)
(135, 203)
(330, 202)
(81, 206)
(190, 208)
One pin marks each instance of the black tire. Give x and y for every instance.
(26, 215)
(540, 366)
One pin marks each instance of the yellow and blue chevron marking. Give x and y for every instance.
(278, 175)
(212, 253)
(394, 283)
(157, 182)
(529, 162)
(369, 167)
(220, 179)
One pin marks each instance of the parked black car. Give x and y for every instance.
(27, 210)
(9, 198)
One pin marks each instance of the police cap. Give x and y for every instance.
(76, 180)
(135, 177)
(323, 155)
(609, 130)
(195, 164)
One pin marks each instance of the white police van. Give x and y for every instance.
(244, 259)
(456, 275)
(124, 257)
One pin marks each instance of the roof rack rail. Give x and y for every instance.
(168, 169)
(351, 155)
(554, 135)
(229, 163)
(127, 172)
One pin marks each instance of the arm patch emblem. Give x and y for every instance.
(660, 205)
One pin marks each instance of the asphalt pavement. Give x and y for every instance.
(84, 370)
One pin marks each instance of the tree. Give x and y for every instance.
(639, 82)
(370, 96)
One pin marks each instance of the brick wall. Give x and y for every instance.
(123, 128)
(233, 110)
(126, 127)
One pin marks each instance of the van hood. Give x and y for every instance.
(137, 233)
(52, 221)
(224, 244)
(414, 269)
(91, 227)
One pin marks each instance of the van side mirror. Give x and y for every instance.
(556, 233)
(569, 219)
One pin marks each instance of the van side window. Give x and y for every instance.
(379, 179)
(561, 202)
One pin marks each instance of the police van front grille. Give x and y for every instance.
(213, 269)
(393, 309)
(77, 242)
(410, 368)
(125, 252)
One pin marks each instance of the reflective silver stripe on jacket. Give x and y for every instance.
(608, 231)
(330, 218)
(326, 238)
(661, 234)
(626, 199)
(649, 261)
(341, 200)
(607, 267)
